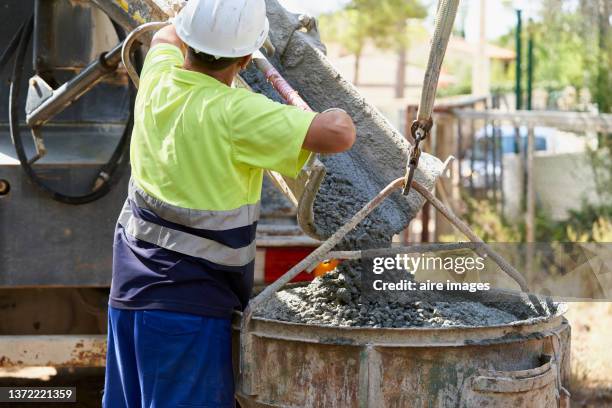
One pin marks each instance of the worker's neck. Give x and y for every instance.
(225, 76)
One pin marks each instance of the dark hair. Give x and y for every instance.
(210, 62)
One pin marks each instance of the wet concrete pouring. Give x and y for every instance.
(378, 156)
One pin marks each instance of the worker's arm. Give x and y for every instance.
(167, 35)
(166, 51)
(269, 135)
(332, 131)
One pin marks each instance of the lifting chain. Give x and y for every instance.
(420, 130)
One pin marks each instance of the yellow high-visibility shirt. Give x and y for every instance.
(200, 144)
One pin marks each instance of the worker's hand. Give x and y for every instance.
(331, 131)
(167, 35)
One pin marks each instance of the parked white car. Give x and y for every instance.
(548, 141)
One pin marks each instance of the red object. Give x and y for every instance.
(281, 85)
(280, 260)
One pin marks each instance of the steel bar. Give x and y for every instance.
(519, 58)
(472, 155)
(530, 66)
(467, 231)
(501, 168)
(460, 151)
(530, 214)
(133, 37)
(485, 140)
(72, 90)
(494, 159)
(569, 121)
(530, 223)
(279, 83)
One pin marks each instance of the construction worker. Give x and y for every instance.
(184, 249)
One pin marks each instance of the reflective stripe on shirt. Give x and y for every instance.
(203, 219)
(180, 230)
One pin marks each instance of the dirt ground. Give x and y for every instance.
(591, 354)
(591, 365)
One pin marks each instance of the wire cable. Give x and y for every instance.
(109, 173)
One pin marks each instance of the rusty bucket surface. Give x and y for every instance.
(522, 364)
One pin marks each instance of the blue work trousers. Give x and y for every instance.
(161, 359)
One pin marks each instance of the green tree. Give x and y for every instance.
(350, 29)
(558, 56)
(598, 53)
(573, 46)
(388, 28)
(384, 22)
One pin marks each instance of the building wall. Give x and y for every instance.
(562, 182)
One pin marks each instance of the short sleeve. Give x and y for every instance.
(268, 134)
(161, 58)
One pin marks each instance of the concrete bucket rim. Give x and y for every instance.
(519, 330)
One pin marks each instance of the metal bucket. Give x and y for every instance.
(522, 364)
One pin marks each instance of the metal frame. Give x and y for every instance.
(570, 121)
(53, 350)
(41, 109)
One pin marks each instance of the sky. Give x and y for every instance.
(500, 18)
(314, 7)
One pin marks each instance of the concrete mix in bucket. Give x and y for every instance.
(353, 178)
(336, 299)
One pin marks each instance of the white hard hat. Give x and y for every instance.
(223, 28)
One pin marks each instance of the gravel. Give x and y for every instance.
(336, 299)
